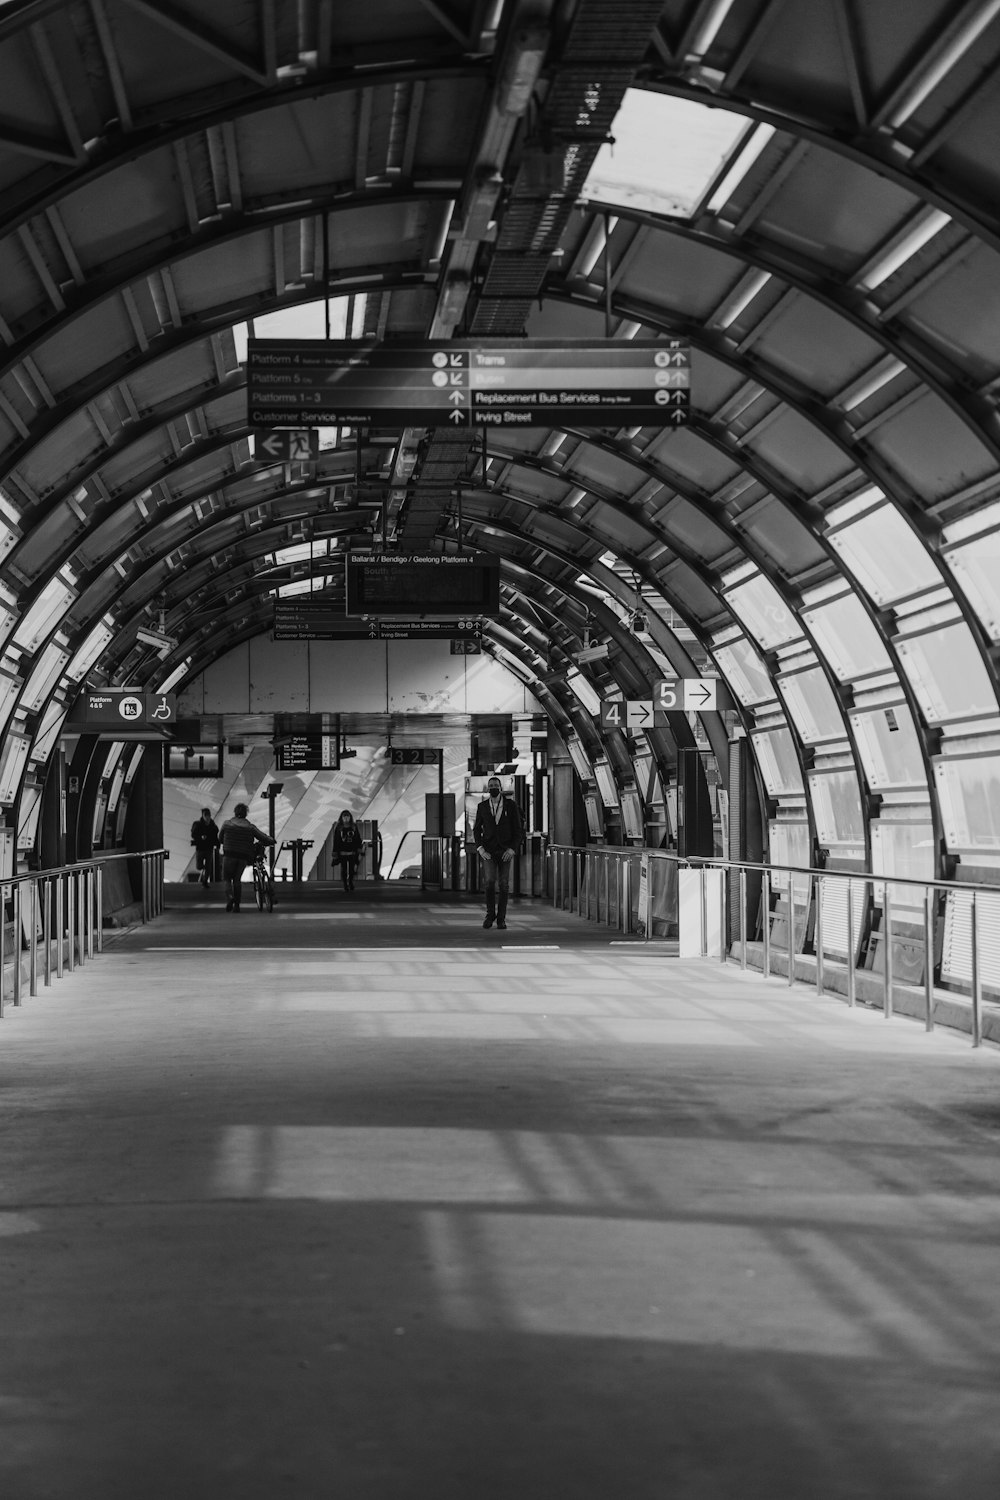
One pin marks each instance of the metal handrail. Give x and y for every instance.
(64, 907)
(813, 878)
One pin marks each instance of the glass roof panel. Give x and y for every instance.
(977, 569)
(692, 144)
(948, 674)
(847, 638)
(885, 555)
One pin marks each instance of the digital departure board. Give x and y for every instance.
(306, 383)
(408, 585)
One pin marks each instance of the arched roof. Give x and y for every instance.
(824, 531)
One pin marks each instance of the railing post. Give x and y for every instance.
(625, 908)
(791, 929)
(851, 975)
(928, 960)
(818, 887)
(17, 941)
(33, 941)
(3, 947)
(60, 915)
(743, 918)
(81, 917)
(71, 921)
(887, 913)
(765, 896)
(99, 899)
(47, 929)
(977, 983)
(703, 885)
(723, 912)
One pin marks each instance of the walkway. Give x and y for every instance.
(383, 1207)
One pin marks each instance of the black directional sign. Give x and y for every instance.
(288, 445)
(123, 707)
(307, 752)
(304, 620)
(412, 755)
(306, 383)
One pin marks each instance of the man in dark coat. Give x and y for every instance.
(497, 834)
(205, 838)
(240, 839)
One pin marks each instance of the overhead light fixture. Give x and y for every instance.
(552, 444)
(902, 248)
(480, 213)
(937, 68)
(454, 296)
(710, 28)
(597, 240)
(741, 298)
(521, 68)
(872, 381)
(753, 142)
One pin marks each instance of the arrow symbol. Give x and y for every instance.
(272, 445)
(676, 416)
(678, 359)
(456, 359)
(645, 714)
(703, 691)
(456, 416)
(456, 398)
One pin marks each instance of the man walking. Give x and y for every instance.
(497, 834)
(205, 838)
(239, 845)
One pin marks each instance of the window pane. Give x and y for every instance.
(886, 557)
(889, 747)
(847, 638)
(779, 766)
(970, 801)
(947, 672)
(745, 672)
(789, 845)
(812, 706)
(907, 850)
(977, 569)
(762, 610)
(837, 807)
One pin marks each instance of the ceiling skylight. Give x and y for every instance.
(666, 155)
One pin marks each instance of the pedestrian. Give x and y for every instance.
(348, 847)
(497, 834)
(205, 838)
(240, 839)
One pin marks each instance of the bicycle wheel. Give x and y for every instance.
(258, 887)
(268, 892)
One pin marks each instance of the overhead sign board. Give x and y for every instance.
(288, 445)
(670, 695)
(307, 752)
(458, 384)
(403, 585)
(414, 755)
(118, 708)
(301, 620)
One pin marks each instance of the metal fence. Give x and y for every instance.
(53, 920)
(832, 918)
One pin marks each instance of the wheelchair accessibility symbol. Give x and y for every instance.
(130, 708)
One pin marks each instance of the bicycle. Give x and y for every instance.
(263, 883)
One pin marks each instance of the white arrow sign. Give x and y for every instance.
(701, 694)
(639, 713)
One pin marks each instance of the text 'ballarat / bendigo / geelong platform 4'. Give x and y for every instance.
(317, 383)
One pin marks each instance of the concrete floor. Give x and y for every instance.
(359, 1201)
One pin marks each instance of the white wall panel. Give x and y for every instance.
(279, 676)
(347, 677)
(424, 677)
(227, 683)
(265, 676)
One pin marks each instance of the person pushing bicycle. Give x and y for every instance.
(240, 839)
